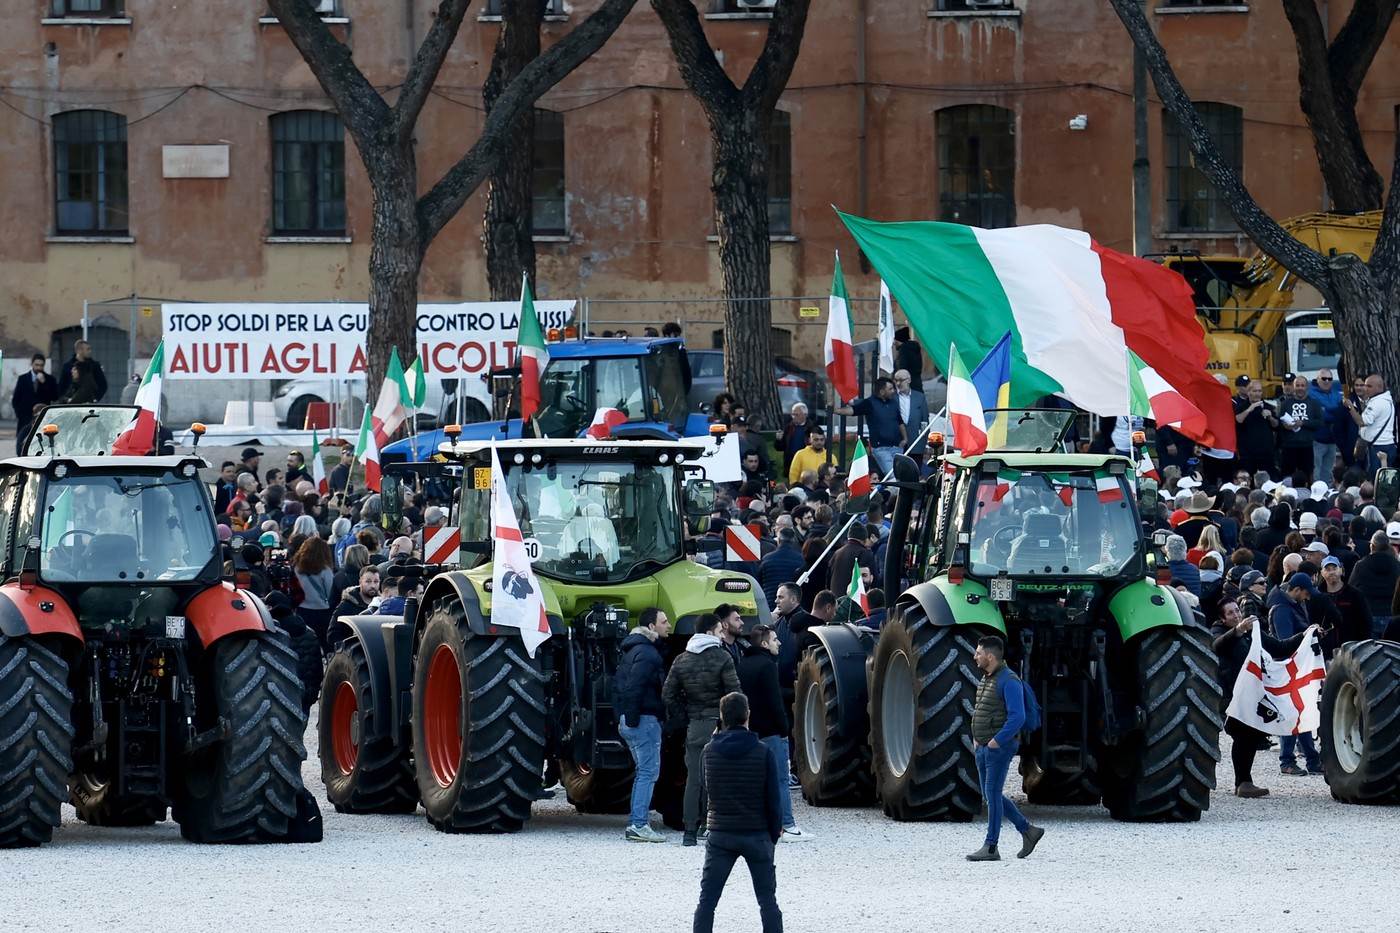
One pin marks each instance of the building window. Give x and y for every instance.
(549, 218)
(329, 9)
(973, 6)
(780, 174)
(977, 165)
(90, 172)
(1193, 203)
(88, 9)
(308, 174)
(552, 8)
(742, 6)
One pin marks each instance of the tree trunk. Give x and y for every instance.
(395, 258)
(507, 233)
(739, 181)
(1367, 324)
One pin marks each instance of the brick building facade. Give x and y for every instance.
(182, 150)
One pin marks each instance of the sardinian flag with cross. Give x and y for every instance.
(516, 598)
(1280, 697)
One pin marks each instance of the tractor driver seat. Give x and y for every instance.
(1041, 544)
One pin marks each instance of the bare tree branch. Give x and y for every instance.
(1306, 263)
(423, 72)
(361, 107)
(1385, 255)
(1357, 43)
(771, 72)
(446, 197)
(700, 69)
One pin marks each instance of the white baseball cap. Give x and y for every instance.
(1319, 489)
(1392, 531)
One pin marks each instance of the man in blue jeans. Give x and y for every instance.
(640, 675)
(997, 718)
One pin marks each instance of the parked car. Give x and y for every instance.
(795, 384)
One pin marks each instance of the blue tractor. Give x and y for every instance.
(645, 379)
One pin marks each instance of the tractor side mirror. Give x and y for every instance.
(1388, 490)
(1159, 538)
(699, 497)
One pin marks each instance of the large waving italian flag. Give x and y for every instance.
(139, 438)
(965, 413)
(1072, 306)
(533, 355)
(391, 408)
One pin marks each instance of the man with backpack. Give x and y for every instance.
(1003, 709)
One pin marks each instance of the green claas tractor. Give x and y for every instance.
(1046, 550)
(444, 706)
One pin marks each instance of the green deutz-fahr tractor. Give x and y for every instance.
(444, 707)
(1046, 550)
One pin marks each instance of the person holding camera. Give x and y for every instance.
(1233, 634)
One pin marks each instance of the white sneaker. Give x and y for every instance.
(643, 834)
(794, 834)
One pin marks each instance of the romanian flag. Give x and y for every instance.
(992, 377)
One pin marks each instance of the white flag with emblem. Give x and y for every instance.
(1280, 697)
(516, 599)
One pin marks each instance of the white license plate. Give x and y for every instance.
(174, 626)
(1003, 590)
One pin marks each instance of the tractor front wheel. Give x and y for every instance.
(832, 762)
(244, 788)
(1166, 776)
(362, 774)
(478, 726)
(921, 697)
(36, 740)
(1361, 723)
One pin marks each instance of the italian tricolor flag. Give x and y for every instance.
(318, 466)
(839, 347)
(1145, 467)
(858, 483)
(965, 409)
(533, 355)
(139, 438)
(367, 452)
(1110, 487)
(390, 409)
(856, 591)
(1073, 308)
(1150, 396)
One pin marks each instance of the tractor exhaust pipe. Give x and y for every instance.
(905, 471)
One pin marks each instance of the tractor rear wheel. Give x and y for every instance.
(478, 726)
(1166, 776)
(921, 697)
(1361, 723)
(36, 740)
(834, 767)
(98, 803)
(362, 775)
(244, 787)
(597, 790)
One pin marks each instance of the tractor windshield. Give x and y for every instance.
(83, 431)
(598, 521)
(104, 528)
(573, 390)
(1030, 523)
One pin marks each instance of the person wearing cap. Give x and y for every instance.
(1353, 614)
(883, 424)
(1300, 417)
(398, 583)
(1254, 592)
(1255, 423)
(1307, 525)
(250, 459)
(1376, 575)
(1328, 394)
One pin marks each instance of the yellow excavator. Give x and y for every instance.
(1261, 320)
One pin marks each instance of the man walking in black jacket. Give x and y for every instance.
(640, 675)
(698, 679)
(768, 718)
(745, 817)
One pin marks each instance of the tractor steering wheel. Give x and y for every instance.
(999, 546)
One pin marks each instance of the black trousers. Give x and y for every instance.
(1247, 741)
(1293, 459)
(721, 852)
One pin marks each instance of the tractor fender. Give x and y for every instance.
(848, 645)
(1144, 605)
(388, 668)
(224, 609)
(948, 603)
(457, 584)
(36, 610)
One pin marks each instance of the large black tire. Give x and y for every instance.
(36, 740)
(243, 789)
(1361, 723)
(1167, 774)
(921, 700)
(296, 413)
(478, 726)
(361, 775)
(99, 804)
(834, 767)
(605, 790)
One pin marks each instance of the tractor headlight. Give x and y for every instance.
(733, 586)
(536, 459)
(60, 470)
(518, 459)
(664, 459)
(188, 471)
(680, 458)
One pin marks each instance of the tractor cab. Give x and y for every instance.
(597, 512)
(81, 430)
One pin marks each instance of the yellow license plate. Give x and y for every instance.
(481, 477)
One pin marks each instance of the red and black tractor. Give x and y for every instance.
(133, 677)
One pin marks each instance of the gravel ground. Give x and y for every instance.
(861, 872)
